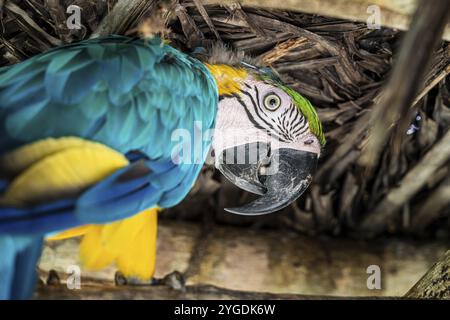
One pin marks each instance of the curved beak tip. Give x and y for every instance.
(290, 173)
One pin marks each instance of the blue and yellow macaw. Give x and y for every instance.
(97, 136)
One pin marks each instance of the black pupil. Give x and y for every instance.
(273, 102)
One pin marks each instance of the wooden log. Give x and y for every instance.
(31, 27)
(432, 207)
(124, 16)
(393, 13)
(241, 259)
(435, 284)
(328, 171)
(407, 76)
(98, 290)
(414, 180)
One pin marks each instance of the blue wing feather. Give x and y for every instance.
(125, 93)
(83, 82)
(101, 90)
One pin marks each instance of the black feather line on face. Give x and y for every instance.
(299, 121)
(249, 115)
(252, 119)
(247, 86)
(256, 107)
(258, 101)
(287, 127)
(283, 126)
(283, 131)
(284, 120)
(223, 96)
(261, 109)
(300, 130)
(292, 110)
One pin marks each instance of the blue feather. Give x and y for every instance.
(125, 93)
(18, 266)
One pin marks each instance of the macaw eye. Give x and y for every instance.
(272, 102)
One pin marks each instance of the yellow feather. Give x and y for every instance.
(130, 243)
(92, 251)
(21, 158)
(63, 173)
(54, 168)
(138, 260)
(119, 235)
(70, 233)
(228, 78)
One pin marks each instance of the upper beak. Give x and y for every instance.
(280, 177)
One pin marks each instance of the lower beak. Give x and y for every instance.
(280, 178)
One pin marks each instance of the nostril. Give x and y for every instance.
(309, 141)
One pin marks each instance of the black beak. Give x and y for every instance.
(280, 177)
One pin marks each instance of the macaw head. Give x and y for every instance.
(267, 138)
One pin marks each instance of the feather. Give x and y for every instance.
(62, 174)
(17, 266)
(116, 95)
(92, 255)
(78, 84)
(130, 243)
(138, 260)
(70, 233)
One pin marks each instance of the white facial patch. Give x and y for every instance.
(262, 113)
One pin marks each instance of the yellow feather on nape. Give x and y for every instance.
(63, 173)
(228, 79)
(130, 243)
